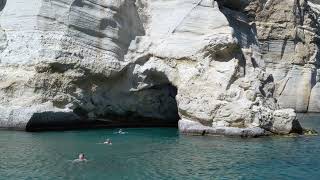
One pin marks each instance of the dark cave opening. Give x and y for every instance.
(159, 109)
(2, 4)
(162, 113)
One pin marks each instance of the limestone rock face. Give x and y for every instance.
(126, 62)
(287, 34)
(285, 122)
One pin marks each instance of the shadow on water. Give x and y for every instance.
(60, 121)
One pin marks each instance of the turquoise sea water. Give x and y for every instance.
(157, 153)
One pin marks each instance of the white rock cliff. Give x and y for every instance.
(219, 67)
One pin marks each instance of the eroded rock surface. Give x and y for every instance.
(128, 62)
(287, 35)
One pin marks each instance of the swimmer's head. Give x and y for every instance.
(81, 156)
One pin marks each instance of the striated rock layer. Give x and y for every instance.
(287, 35)
(214, 66)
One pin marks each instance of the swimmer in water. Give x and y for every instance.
(121, 132)
(81, 158)
(108, 141)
